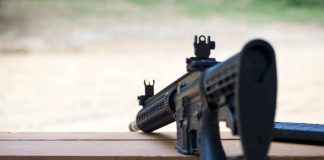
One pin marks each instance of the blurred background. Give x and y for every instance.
(78, 65)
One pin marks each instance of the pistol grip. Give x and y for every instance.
(209, 142)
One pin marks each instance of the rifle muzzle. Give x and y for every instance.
(133, 127)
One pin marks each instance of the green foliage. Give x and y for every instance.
(296, 10)
(259, 10)
(146, 3)
(291, 10)
(70, 8)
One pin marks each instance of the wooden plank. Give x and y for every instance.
(85, 136)
(95, 136)
(107, 146)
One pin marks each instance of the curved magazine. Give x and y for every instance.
(299, 132)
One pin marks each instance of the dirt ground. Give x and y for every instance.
(61, 74)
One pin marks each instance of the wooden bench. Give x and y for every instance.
(124, 145)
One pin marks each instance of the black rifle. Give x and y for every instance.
(240, 91)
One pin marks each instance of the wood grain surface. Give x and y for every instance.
(124, 145)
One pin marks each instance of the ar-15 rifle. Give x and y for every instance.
(240, 91)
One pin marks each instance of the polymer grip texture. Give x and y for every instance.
(296, 132)
(156, 113)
